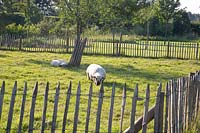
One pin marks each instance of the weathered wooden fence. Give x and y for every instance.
(150, 49)
(181, 107)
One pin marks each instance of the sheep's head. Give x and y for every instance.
(98, 79)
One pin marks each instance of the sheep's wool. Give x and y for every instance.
(58, 63)
(96, 70)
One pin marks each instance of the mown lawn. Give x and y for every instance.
(32, 67)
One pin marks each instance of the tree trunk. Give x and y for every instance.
(79, 45)
(76, 57)
(166, 28)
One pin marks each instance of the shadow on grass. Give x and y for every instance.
(126, 71)
(4, 56)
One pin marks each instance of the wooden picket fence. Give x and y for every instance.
(173, 111)
(148, 49)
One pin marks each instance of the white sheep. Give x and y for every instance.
(96, 73)
(57, 63)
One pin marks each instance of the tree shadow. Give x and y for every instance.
(4, 56)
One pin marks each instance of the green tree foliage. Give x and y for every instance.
(116, 15)
(181, 23)
(166, 10)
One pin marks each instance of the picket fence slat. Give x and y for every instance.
(111, 109)
(2, 97)
(12, 102)
(133, 110)
(56, 98)
(22, 108)
(88, 109)
(77, 108)
(32, 110)
(45, 107)
(123, 107)
(146, 106)
(100, 102)
(66, 107)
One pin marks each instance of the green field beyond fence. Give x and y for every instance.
(148, 49)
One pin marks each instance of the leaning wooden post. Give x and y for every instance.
(123, 107)
(1, 97)
(22, 107)
(146, 106)
(100, 102)
(12, 102)
(66, 107)
(156, 113)
(88, 109)
(31, 119)
(78, 94)
(133, 110)
(45, 107)
(111, 109)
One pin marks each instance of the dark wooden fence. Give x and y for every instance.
(181, 100)
(149, 49)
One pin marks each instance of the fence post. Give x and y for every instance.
(113, 43)
(12, 102)
(22, 107)
(100, 102)
(1, 97)
(45, 107)
(31, 119)
(146, 106)
(66, 106)
(134, 103)
(111, 109)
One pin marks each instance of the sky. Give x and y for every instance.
(191, 5)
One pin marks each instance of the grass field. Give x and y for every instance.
(32, 67)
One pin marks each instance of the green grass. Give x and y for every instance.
(32, 67)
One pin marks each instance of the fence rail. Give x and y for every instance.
(150, 49)
(181, 99)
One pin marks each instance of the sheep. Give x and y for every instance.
(96, 73)
(60, 63)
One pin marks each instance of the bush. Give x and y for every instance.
(22, 30)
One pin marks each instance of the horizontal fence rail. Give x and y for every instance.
(148, 49)
(181, 99)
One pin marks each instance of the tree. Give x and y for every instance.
(77, 12)
(166, 10)
(181, 23)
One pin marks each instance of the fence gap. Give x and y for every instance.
(123, 107)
